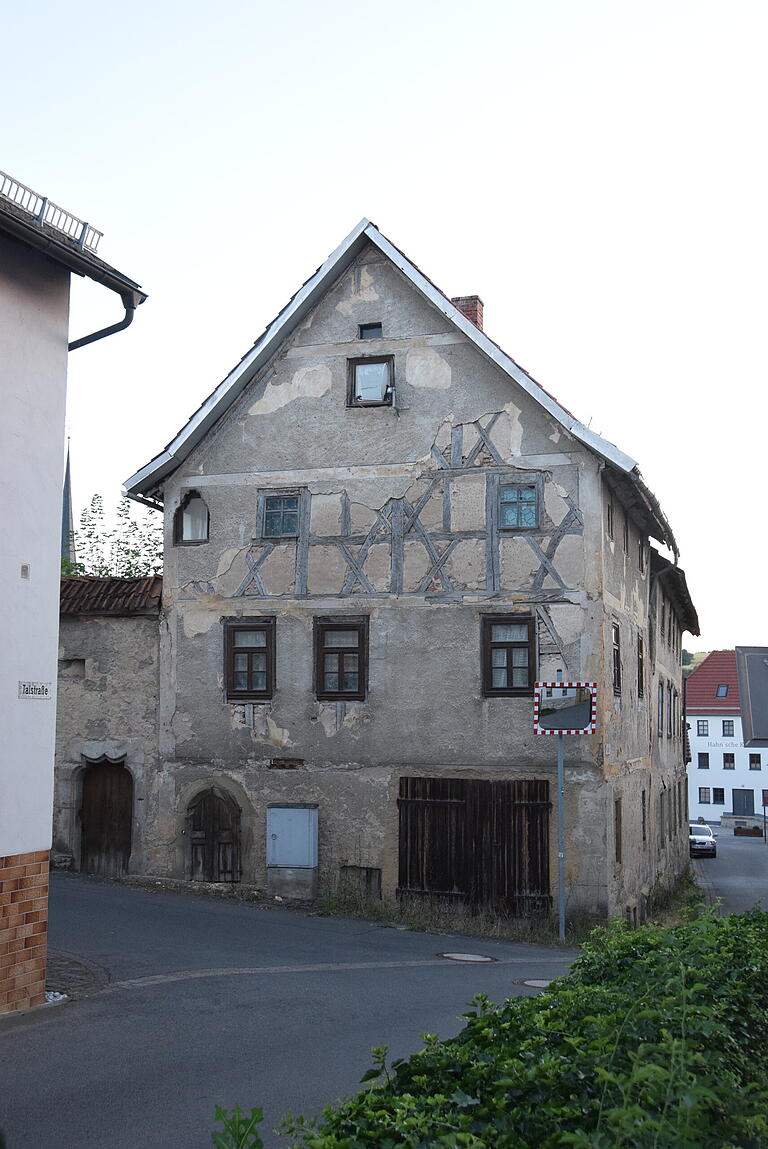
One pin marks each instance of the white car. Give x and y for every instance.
(701, 840)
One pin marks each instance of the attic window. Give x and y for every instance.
(369, 331)
(518, 506)
(722, 690)
(370, 381)
(190, 524)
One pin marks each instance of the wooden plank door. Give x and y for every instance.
(213, 827)
(106, 817)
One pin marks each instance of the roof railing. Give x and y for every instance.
(45, 212)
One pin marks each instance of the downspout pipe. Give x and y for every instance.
(129, 304)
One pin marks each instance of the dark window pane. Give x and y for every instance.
(241, 662)
(331, 662)
(290, 523)
(259, 661)
(241, 679)
(272, 524)
(331, 682)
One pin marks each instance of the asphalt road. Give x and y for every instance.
(206, 1002)
(738, 876)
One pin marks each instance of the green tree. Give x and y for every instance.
(132, 548)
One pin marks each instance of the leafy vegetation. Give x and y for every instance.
(132, 548)
(657, 1039)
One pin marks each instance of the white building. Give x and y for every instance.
(725, 777)
(41, 247)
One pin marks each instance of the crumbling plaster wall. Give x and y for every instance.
(107, 707)
(410, 499)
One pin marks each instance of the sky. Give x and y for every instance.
(594, 170)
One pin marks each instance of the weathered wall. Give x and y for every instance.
(34, 316)
(107, 709)
(399, 524)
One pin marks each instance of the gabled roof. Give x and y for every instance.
(752, 667)
(111, 596)
(701, 685)
(147, 481)
(675, 584)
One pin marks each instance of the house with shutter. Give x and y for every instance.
(380, 531)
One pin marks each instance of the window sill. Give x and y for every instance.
(190, 542)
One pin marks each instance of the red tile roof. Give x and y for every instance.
(111, 595)
(718, 669)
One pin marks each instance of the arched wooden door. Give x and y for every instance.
(213, 827)
(106, 816)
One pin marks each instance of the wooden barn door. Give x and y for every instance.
(482, 843)
(213, 826)
(106, 815)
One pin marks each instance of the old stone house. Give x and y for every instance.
(379, 532)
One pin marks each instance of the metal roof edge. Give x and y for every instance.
(163, 464)
(37, 236)
(235, 382)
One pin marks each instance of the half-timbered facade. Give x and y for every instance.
(380, 531)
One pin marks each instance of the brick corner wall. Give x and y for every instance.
(23, 929)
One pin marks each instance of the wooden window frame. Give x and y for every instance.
(487, 646)
(715, 800)
(702, 761)
(325, 625)
(729, 733)
(231, 627)
(616, 648)
(702, 791)
(356, 362)
(729, 760)
(367, 331)
(755, 762)
(178, 520)
(640, 667)
(702, 728)
(261, 510)
(517, 480)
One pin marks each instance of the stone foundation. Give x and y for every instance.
(23, 929)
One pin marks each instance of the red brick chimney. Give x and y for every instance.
(472, 307)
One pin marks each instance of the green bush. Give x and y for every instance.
(658, 1038)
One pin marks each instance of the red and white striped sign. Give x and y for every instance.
(540, 687)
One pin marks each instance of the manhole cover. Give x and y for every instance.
(466, 957)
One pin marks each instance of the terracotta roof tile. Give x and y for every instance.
(718, 669)
(111, 595)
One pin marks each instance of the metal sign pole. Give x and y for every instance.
(561, 835)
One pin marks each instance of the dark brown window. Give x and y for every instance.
(508, 654)
(190, 523)
(703, 761)
(249, 646)
(341, 658)
(704, 795)
(718, 796)
(369, 331)
(370, 381)
(754, 762)
(616, 658)
(640, 667)
(727, 728)
(729, 761)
